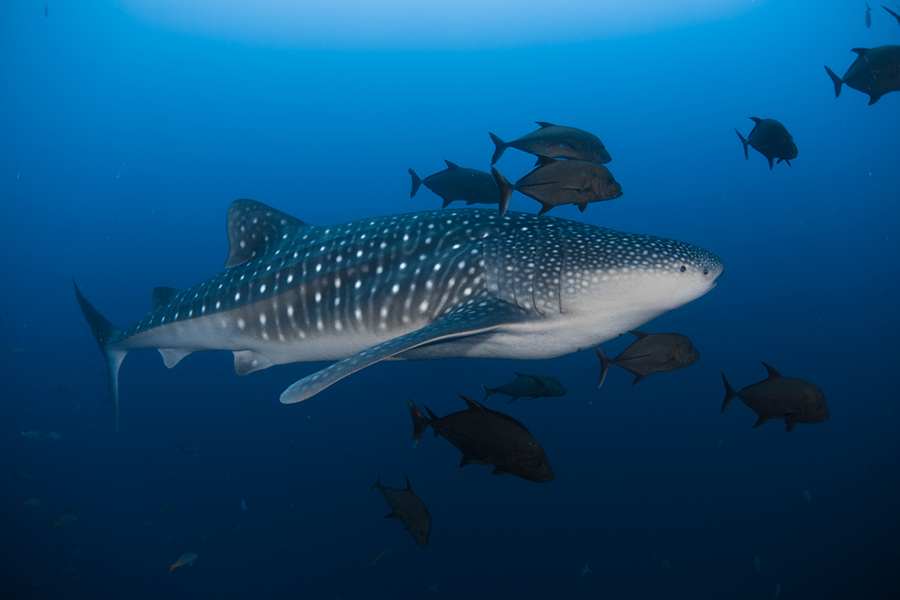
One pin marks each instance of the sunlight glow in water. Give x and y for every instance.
(438, 24)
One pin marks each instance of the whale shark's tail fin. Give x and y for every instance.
(104, 332)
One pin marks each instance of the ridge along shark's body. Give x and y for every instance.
(428, 285)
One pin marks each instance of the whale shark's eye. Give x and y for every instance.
(683, 268)
(705, 272)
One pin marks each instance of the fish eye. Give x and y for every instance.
(683, 268)
(534, 463)
(705, 272)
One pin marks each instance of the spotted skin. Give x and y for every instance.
(427, 285)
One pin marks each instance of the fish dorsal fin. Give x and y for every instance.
(451, 165)
(773, 374)
(161, 296)
(510, 419)
(473, 405)
(544, 124)
(408, 484)
(755, 120)
(859, 51)
(537, 381)
(639, 334)
(481, 408)
(255, 229)
(544, 160)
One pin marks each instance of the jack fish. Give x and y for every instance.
(779, 397)
(558, 182)
(527, 386)
(651, 353)
(486, 437)
(876, 71)
(556, 141)
(456, 183)
(771, 139)
(448, 283)
(409, 510)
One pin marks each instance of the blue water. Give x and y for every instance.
(125, 138)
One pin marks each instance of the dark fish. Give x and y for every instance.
(61, 389)
(651, 353)
(408, 509)
(778, 397)
(869, 14)
(486, 437)
(556, 141)
(456, 183)
(896, 16)
(557, 182)
(527, 386)
(876, 71)
(771, 139)
(46, 10)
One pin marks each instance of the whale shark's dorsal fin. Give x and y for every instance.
(254, 230)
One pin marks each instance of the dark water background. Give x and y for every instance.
(125, 140)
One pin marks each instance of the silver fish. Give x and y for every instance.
(457, 183)
(876, 72)
(556, 141)
(440, 284)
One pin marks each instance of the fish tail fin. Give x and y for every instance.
(745, 142)
(488, 392)
(104, 331)
(501, 147)
(729, 393)
(171, 567)
(377, 483)
(895, 15)
(838, 82)
(416, 182)
(431, 418)
(21, 503)
(506, 190)
(55, 523)
(420, 421)
(604, 365)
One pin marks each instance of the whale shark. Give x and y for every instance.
(418, 286)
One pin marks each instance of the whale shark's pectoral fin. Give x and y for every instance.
(476, 316)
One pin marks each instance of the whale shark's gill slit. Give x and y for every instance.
(548, 266)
